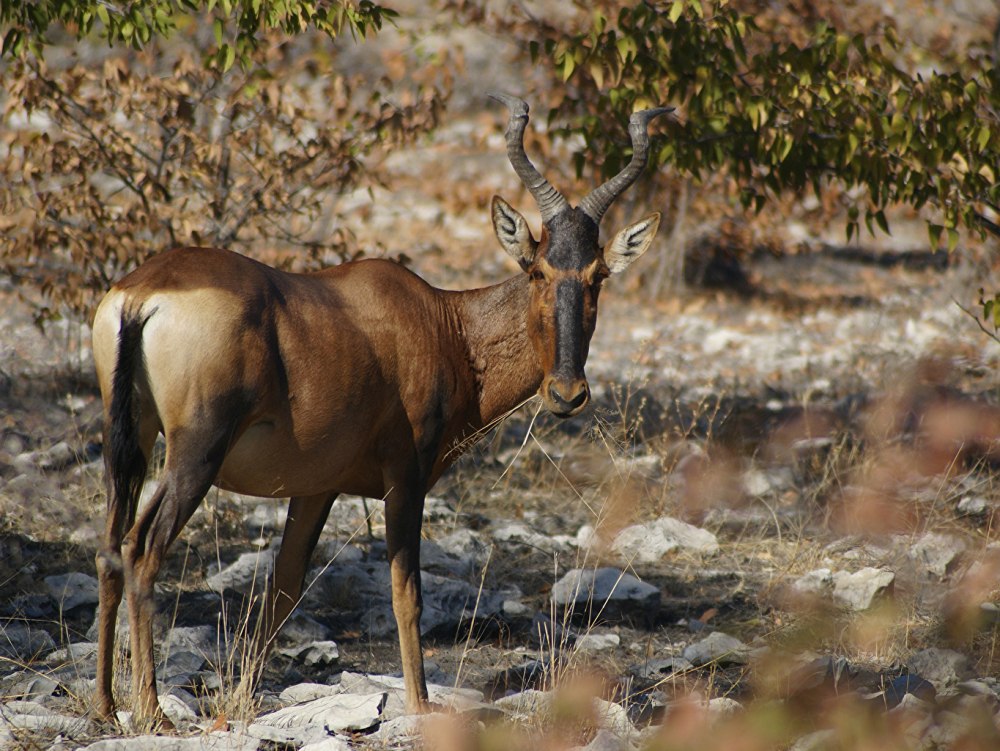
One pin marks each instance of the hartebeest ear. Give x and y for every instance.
(512, 232)
(631, 243)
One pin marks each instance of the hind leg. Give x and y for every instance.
(306, 517)
(193, 461)
(110, 575)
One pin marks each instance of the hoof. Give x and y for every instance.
(427, 707)
(104, 714)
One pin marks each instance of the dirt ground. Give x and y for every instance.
(813, 409)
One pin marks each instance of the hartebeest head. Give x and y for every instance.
(567, 265)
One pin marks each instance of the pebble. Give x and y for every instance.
(718, 648)
(72, 590)
(588, 586)
(650, 542)
(942, 667)
(860, 590)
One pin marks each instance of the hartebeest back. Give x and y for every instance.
(356, 379)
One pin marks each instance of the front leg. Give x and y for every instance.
(404, 508)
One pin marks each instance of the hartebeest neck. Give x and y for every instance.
(493, 323)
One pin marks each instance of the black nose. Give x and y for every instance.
(566, 403)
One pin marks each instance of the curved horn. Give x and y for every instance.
(600, 199)
(550, 201)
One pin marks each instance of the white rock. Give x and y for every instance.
(817, 582)
(293, 736)
(596, 642)
(755, 483)
(516, 532)
(650, 542)
(723, 706)
(466, 544)
(350, 584)
(200, 640)
(301, 627)
(583, 586)
(313, 653)
(208, 742)
(719, 648)
(179, 663)
(720, 339)
(247, 574)
(821, 740)
(973, 505)
(37, 718)
(613, 717)
(515, 609)
(28, 685)
(449, 696)
(531, 704)
(858, 591)
(73, 654)
(177, 710)
(303, 692)
(336, 713)
(399, 732)
(603, 740)
(72, 590)
(435, 558)
(935, 552)
(352, 515)
(942, 667)
(23, 643)
(328, 744)
(267, 516)
(55, 457)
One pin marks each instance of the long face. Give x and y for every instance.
(566, 275)
(566, 270)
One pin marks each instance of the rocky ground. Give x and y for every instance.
(775, 501)
(775, 527)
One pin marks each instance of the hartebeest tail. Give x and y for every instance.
(357, 379)
(125, 463)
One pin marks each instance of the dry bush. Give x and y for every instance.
(103, 165)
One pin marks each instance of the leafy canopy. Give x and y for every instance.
(25, 24)
(779, 116)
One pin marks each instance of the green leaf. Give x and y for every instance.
(597, 73)
(228, 57)
(217, 27)
(983, 137)
(882, 221)
(675, 11)
(12, 42)
(952, 239)
(626, 47)
(934, 233)
(568, 66)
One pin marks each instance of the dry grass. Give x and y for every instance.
(869, 488)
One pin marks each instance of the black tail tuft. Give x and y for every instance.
(125, 464)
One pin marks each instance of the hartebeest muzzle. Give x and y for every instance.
(565, 398)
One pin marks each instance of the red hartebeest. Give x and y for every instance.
(356, 379)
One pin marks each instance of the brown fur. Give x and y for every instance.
(358, 379)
